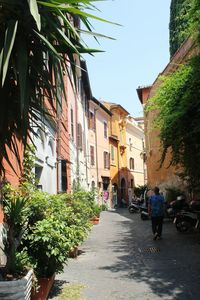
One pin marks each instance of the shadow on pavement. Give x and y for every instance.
(57, 288)
(170, 267)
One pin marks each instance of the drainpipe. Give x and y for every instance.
(119, 189)
(58, 148)
(97, 165)
(85, 141)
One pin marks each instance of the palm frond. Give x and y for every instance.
(38, 41)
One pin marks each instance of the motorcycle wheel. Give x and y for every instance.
(183, 226)
(132, 210)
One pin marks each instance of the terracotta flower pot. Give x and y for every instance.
(95, 220)
(73, 253)
(45, 285)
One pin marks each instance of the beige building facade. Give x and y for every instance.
(135, 154)
(99, 151)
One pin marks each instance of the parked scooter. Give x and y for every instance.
(135, 205)
(188, 218)
(174, 207)
(171, 209)
(144, 213)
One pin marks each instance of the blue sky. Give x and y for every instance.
(139, 53)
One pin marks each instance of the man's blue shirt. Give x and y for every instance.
(156, 203)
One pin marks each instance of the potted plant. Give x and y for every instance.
(17, 274)
(48, 246)
(52, 234)
(96, 210)
(42, 229)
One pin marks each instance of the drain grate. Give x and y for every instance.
(149, 250)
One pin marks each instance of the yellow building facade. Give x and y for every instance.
(118, 154)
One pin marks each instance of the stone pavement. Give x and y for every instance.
(120, 261)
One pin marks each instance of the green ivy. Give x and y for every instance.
(179, 23)
(178, 104)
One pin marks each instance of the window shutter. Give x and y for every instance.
(105, 130)
(92, 155)
(104, 159)
(91, 120)
(79, 137)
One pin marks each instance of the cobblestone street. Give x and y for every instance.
(120, 260)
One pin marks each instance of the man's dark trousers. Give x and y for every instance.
(157, 223)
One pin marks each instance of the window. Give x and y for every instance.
(38, 175)
(105, 130)
(91, 120)
(80, 137)
(106, 160)
(72, 124)
(92, 162)
(112, 153)
(131, 163)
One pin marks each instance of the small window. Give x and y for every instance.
(105, 130)
(131, 163)
(92, 162)
(106, 160)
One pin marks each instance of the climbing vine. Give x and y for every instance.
(179, 23)
(177, 99)
(178, 103)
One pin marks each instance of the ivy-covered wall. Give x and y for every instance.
(179, 23)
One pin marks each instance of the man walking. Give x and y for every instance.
(156, 211)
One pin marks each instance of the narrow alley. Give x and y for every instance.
(120, 260)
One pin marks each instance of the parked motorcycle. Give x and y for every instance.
(170, 210)
(135, 205)
(144, 215)
(188, 218)
(174, 207)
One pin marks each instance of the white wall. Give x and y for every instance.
(45, 164)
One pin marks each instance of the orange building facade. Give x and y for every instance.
(166, 175)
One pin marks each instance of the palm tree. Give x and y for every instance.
(38, 40)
